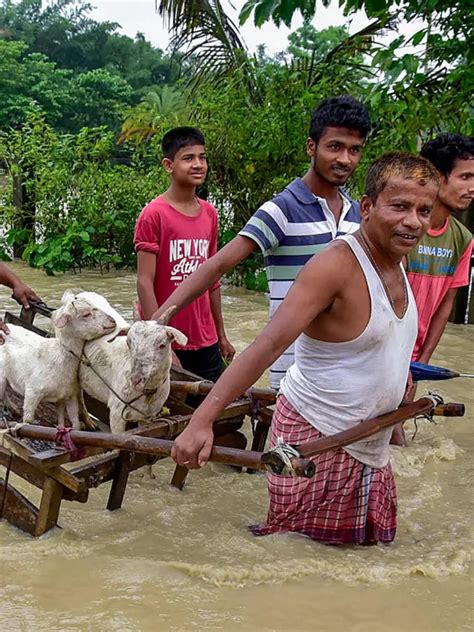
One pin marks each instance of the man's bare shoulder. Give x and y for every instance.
(337, 256)
(331, 269)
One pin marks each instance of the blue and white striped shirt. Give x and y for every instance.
(289, 230)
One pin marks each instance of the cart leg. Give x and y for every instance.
(120, 480)
(179, 476)
(49, 506)
(229, 440)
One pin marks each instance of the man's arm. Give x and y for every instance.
(146, 269)
(437, 326)
(226, 349)
(207, 274)
(314, 290)
(20, 291)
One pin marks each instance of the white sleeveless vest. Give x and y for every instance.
(335, 385)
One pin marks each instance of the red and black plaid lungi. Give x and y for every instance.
(345, 502)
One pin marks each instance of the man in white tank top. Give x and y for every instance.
(353, 316)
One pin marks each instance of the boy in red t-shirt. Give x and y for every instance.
(174, 234)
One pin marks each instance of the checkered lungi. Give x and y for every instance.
(345, 502)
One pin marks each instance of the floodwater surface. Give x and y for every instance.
(177, 561)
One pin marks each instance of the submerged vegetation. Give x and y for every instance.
(83, 109)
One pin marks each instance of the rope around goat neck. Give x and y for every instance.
(86, 362)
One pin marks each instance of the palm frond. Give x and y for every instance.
(210, 40)
(345, 52)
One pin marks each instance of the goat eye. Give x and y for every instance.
(162, 346)
(88, 315)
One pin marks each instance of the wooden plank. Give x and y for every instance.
(22, 468)
(14, 320)
(101, 471)
(36, 477)
(17, 509)
(27, 315)
(61, 475)
(42, 308)
(50, 458)
(54, 457)
(49, 507)
(120, 480)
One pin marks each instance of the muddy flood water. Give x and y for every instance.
(177, 561)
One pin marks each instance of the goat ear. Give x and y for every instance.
(62, 320)
(176, 335)
(68, 297)
(121, 332)
(165, 318)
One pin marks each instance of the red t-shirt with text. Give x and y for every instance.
(181, 244)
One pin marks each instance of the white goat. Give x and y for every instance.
(46, 369)
(130, 374)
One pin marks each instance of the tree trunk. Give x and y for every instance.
(23, 200)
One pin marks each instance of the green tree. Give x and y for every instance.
(99, 99)
(64, 32)
(28, 79)
(164, 106)
(307, 42)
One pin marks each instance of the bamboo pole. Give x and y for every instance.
(369, 427)
(269, 395)
(162, 447)
(248, 458)
(203, 388)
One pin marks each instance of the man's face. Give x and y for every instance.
(400, 216)
(189, 166)
(336, 154)
(456, 190)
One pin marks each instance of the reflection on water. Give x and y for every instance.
(180, 561)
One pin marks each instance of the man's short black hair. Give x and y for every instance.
(445, 149)
(180, 137)
(398, 165)
(344, 111)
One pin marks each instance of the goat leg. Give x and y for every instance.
(72, 407)
(60, 406)
(30, 404)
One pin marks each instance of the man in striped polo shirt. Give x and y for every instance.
(289, 230)
(298, 222)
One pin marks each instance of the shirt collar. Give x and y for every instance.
(301, 192)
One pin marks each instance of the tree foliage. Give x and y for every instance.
(306, 42)
(81, 121)
(64, 33)
(161, 107)
(85, 202)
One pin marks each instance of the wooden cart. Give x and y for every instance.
(42, 464)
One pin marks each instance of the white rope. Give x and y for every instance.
(286, 453)
(11, 430)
